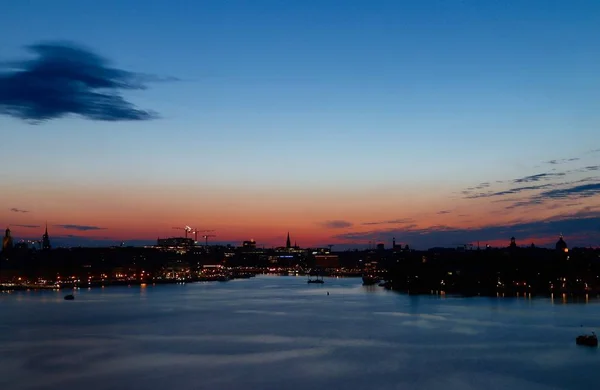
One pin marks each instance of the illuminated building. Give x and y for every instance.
(46, 239)
(327, 261)
(249, 244)
(7, 241)
(175, 242)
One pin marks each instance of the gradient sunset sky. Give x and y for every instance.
(439, 123)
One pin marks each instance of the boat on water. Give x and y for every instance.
(316, 280)
(587, 340)
(370, 280)
(69, 297)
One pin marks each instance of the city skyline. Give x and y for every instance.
(438, 123)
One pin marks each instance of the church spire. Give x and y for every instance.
(288, 243)
(46, 239)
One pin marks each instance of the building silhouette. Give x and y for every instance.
(288, 243)
(7, 241)
(46, 240)
(561, 245)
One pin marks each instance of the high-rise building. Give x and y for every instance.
(288, 243)
(46, 240)
(7, 241)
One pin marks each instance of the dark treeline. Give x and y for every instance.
(493, 271)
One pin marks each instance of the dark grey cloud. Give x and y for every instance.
(525, 203)
(16, 210)
(398, 221)
(562, 161)
(64, 78)
(443, 212)
(480, 186)
(566, 191)
(538, 177)
(336, 224)
(26, 226)
(580, 191)
(581, 228)
(82, 228)
(511, 191)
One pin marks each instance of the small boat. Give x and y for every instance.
(370, 280)
(69, 297)
(587, 340)
(316, 280)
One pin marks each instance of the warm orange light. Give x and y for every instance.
(566, 250)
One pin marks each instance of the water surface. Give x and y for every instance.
(280, 333)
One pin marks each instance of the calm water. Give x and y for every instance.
(280, 333)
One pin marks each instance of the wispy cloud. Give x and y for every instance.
(336, 224)
(398, 221)
(64, 78)
(82, 228)
(538, 177)
(511, 191)
(17, 210)
(580, 191)
(571, 191)
(443, 212)
(26, 226)
(562, 161)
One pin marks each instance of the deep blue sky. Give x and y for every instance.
(429, 96)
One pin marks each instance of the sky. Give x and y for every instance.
(439, 123)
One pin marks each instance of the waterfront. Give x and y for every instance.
(274, 332)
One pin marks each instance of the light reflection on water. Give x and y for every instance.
(277, 332)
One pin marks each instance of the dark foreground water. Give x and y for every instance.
(280, 333)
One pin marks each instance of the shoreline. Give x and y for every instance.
(433, 293)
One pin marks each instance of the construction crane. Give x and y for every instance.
(186, 228)
(206, 239)
(196, 231)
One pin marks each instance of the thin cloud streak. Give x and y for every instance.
(336, 224)
(82, 228)
(538, 177)
(17, 210)
(562, 161)
(398, 221)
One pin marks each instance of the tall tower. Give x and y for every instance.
(288, 243)
(7, 241)
(46, 240)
